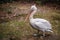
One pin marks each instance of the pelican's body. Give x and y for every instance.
(38, 23)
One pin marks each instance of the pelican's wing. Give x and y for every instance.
(42, 25)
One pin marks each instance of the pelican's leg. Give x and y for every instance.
(43, 33)
(38, 32)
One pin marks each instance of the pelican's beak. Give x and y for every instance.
(27, 17)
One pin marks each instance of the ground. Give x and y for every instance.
(21, 30)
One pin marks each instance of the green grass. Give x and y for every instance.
(20, 28)
(15, 28)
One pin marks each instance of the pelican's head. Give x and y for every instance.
(33, 8)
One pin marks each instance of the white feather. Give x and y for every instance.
(38, 23)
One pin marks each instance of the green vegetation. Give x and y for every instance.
(17, 29)
(20, 28)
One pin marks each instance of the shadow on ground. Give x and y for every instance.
(31, 37)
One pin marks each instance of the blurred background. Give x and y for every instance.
(14, 12)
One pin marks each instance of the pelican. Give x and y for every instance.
(38, 23)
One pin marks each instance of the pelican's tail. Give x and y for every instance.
(50, 31)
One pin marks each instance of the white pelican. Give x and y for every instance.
(38, 23)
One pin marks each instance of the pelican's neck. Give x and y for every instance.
(32, 14)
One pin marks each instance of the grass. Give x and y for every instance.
(20, 28)
(15, 28)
